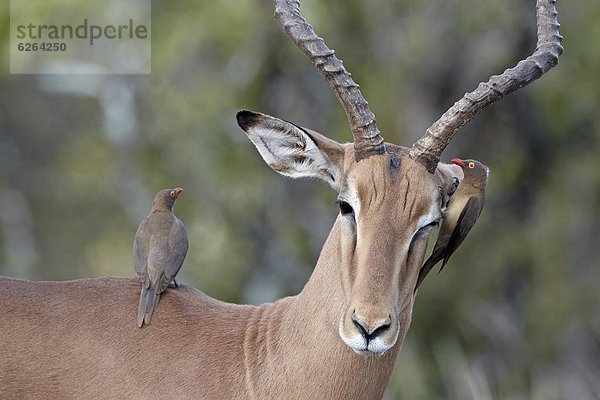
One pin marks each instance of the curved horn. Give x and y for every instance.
(429, 148)
(367, 140)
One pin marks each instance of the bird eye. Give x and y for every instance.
(471, 165)
(172, 194)
(345, 208)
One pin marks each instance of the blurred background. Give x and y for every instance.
(516, 313)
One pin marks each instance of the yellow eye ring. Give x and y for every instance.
(172, 194)
(471, 165)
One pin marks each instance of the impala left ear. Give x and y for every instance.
(292, 150)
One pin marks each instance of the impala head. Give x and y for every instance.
(390, 197)
(388, 205)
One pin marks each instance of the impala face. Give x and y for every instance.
(388, 207)
(389, 204)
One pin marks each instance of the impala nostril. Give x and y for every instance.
(360, 326)
(379, 330)
(370, 332)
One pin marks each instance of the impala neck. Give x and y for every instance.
(303, 345)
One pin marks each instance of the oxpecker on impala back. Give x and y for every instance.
(159, 248)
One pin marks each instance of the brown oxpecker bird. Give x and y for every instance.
(159, 248)
(463, 209)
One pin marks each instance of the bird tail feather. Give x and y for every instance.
(148, 302)
(433, 259)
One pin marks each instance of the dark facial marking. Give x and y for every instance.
(395, 162)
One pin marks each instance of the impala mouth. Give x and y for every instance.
(367, 353)
(367, 348)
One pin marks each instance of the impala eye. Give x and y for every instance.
(345, 208)
(427, 228)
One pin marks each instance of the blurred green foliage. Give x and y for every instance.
(516, 313)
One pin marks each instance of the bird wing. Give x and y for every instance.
(141, 244)
(466, 220)
(439, 250)
(177, 249)
(434, 258)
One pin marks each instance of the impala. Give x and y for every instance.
(337, 339)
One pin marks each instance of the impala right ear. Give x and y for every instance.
(294, 151)
(449, 176)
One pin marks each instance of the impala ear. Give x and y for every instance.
(449, 176)
(294, 151)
